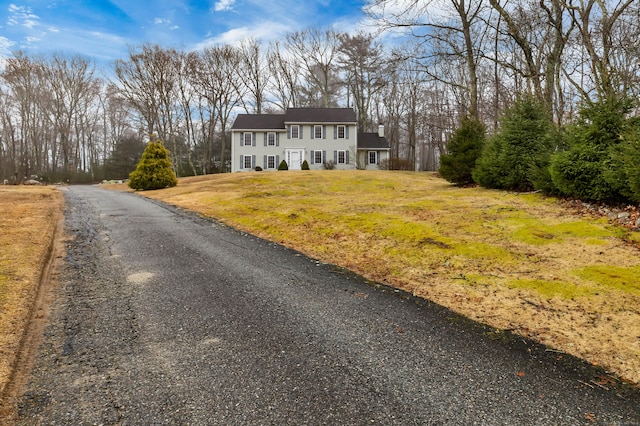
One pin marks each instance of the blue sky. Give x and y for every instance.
(103, 30)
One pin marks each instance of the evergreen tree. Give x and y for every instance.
(593, 167)
(124, 157)
(154, 169)
(630, 160)
(463, 150)
(514, 157)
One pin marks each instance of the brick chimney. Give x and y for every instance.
(381, 130)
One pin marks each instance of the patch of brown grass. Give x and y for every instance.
(515, 261)
(28, 218)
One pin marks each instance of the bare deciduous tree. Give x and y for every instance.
(146, 80)
(541, 34)
(26, 120)
(285, 76)
(446, 30)
(600, 24)
(73, 86)
(318, 51)
(214, 78)
(254, 74)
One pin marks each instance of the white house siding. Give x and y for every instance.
(329, 145)
(363, 158)
(259, 151)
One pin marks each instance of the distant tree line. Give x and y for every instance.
(435, 64)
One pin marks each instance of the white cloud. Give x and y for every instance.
(22, 15)
(411, 10)
(93, 44)
(223, 5)
(5, 51)
(5, 46)
(14, 8)
(32, 40)
(265, 31)
(29, 23)
(166, 22)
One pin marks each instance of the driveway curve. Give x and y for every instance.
(163, 317)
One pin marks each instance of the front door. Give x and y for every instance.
(295, 158)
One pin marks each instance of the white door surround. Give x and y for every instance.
(295, 157)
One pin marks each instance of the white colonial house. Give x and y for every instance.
(318, 135)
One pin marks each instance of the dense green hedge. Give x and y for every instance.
(596, 158)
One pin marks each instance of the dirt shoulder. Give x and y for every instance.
(31, 229)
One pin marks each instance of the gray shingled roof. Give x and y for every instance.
(293, 115)
(320, 115)
(259, 122)
(372, 141)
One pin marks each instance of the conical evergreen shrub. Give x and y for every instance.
(514, 157)
(283, 165)
(463, 150)
(154, 169)
(596, 165)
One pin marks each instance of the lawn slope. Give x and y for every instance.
(520, 262)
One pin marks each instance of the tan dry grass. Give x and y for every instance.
(515, 261)
(28, 218)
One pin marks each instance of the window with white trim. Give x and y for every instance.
(295, 131)
(247, 137)
(247, 162)
(342, 157)
(341, 132)
(317, 157)
(271, 139)
(271, 161)
(317, 131)
(373, 157)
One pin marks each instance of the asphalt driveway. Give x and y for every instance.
(163, 317)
